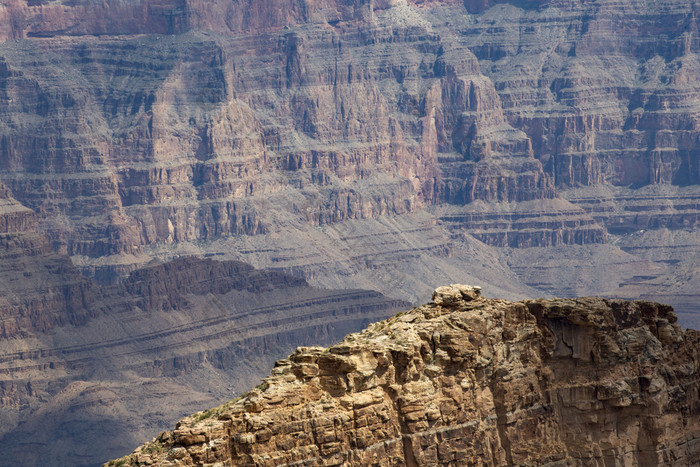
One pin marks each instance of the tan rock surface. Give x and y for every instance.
(480, 382)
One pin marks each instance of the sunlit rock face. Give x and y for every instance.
(467, 381)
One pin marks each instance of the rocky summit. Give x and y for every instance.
(466, 380)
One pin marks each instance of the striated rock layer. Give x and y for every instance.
(468, 381)
(186, 121)
(87, 371)
(138, 129)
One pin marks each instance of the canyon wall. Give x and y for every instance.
(136, 129)
(148, 133)
(541, 148)
(466, 381)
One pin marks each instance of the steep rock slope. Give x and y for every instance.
(331, 111)
(87, 371)
(39, 288)
(468, 381)
(604, 90)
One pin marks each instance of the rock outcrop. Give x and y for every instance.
(467, 381)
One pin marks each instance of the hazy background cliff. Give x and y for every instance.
(549, 147)
(537, 148)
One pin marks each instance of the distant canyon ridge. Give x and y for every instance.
(357, 153)
(540, 148)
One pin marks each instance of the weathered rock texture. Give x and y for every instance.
(548, 148)
(583, 381)
(39, 289)
(315, 112)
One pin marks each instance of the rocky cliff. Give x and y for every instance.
(467, 381)
(541, 148)
(328, 111)
(40, 289)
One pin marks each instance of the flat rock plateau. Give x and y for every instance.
(586, 381)
(540, 148)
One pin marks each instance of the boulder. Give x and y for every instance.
(453, 294)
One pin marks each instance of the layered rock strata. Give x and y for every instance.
(326, 113)
(184, 121)
(86, 371)
(135, 129)
(39, 289)
(548, 145)
(467, 381)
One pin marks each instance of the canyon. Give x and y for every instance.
(507, 130)
(467, 381)
(313, 165)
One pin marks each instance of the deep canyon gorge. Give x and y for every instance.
(189, 190)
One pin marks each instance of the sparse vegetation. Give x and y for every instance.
(208, 413)
(262, 386)
(153, 446)
(216, 411)
(119, 462)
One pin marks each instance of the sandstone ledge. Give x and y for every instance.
(475, 382)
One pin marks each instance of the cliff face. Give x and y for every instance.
(477, 382)
(550, 146)
(323, 111)
(40, 289)
(46, 18)
(138, 130)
